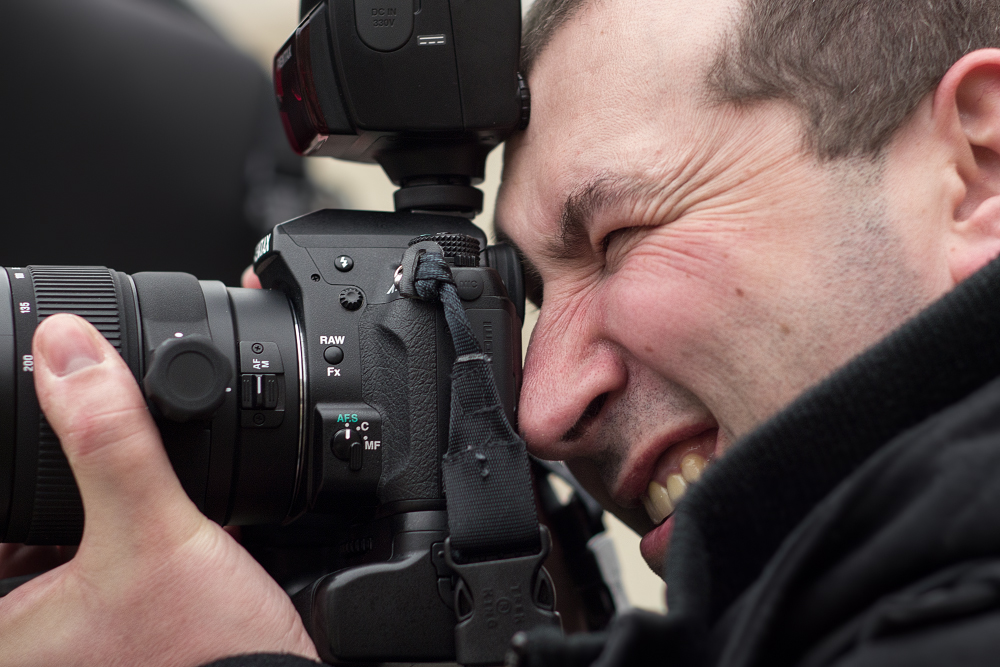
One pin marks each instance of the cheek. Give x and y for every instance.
(665, 308)
(700, 287)
(690, 300)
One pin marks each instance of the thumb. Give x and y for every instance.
(92, 402)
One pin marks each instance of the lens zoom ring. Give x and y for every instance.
(57, 514)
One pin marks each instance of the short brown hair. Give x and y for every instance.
(857, 69)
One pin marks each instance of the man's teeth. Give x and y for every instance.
(658, 503)
(676, 487)
(692, 466)
(660, 500)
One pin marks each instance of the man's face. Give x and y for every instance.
(700, 267)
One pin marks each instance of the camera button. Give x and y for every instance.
(333, 355)
(344, 263)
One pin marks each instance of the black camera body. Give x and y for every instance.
(377, 406)
(378, 364)
(321, 403)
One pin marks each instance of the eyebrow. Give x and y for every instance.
(582, 204)
(572, 240)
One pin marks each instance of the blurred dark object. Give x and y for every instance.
(575, 523)
(136, 137)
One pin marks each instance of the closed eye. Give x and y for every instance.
(618, 242)
(532, 285)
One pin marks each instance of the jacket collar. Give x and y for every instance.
(735, 519)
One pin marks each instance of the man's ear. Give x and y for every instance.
(968, 99)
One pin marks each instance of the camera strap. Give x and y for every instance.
(495, 543)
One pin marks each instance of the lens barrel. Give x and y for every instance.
(240, 459)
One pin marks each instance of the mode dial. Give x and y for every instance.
(187, 378)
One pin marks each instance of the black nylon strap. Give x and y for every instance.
(491, 505)
(487, 477)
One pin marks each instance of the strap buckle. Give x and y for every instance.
(495, 599)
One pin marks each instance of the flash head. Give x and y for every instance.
(425, 88)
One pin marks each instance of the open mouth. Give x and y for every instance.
(677, 468)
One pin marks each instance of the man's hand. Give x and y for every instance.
(154, 582)
(250, 279)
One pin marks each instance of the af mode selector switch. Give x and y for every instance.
(261, 384)
(347, 445)
(348, 454)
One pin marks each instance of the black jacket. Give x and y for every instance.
(859, 526)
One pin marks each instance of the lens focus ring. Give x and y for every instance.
(81, 290)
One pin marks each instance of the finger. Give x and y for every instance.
(95, 407)
(250, 279)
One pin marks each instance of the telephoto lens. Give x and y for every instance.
(219, 366)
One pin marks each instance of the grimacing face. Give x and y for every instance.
(700, 267)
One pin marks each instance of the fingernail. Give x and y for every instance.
(67, 345)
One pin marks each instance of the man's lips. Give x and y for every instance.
(662, 476)
(653, 546)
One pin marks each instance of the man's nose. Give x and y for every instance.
(569, 373)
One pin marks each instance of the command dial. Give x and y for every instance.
(351, 298)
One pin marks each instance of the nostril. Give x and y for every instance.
(595, 407)
(589, 413)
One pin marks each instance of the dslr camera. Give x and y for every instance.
(319, 412)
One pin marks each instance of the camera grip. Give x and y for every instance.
(405, 359)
